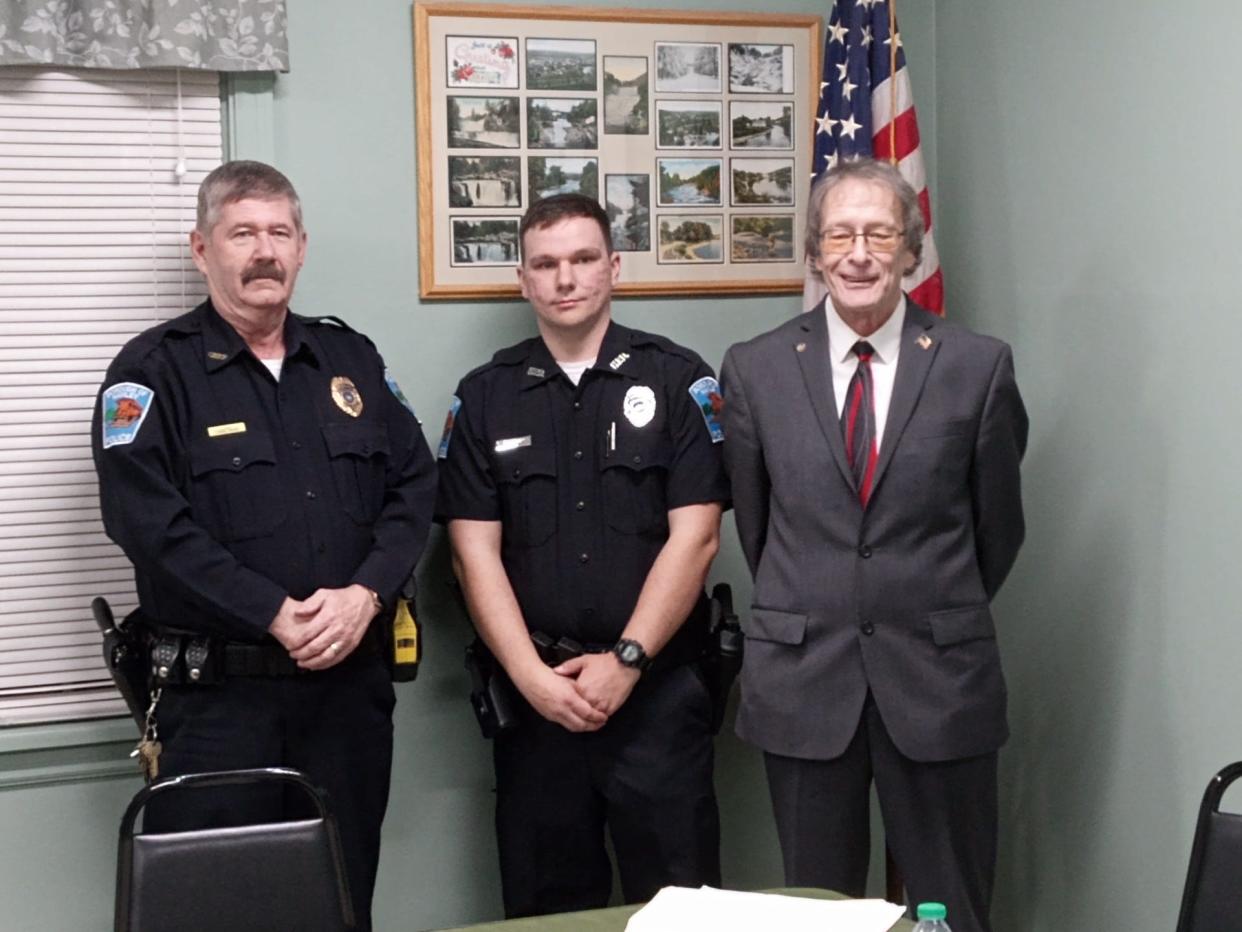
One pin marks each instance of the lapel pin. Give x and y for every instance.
(924, 341)
(801, 347)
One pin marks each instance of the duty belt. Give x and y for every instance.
(555, 651)
(183, 657)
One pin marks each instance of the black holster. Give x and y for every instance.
(492, 694)
(726, 646)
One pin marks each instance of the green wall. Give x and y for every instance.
(1071, 227)
(341, 125)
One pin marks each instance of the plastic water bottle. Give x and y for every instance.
(931, 918)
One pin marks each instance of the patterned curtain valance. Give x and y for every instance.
(215, 35)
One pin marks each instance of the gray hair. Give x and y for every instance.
(238, 181)
(875, 172)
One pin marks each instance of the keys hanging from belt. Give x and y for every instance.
(149, 748)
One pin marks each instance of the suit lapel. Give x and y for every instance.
(919, 345)
(812, 355)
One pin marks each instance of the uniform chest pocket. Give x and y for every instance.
(526, 482)
(233, 487)
(358, 452)
(634, 478)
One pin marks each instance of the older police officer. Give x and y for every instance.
(273, 491)
(583, 486)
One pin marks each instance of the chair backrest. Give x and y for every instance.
(1212, 901)
(281, 875)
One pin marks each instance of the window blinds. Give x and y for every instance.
(94, 225)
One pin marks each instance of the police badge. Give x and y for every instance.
(346, 396)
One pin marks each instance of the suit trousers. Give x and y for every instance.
(334, 725)
(646, 777)
(940, 821)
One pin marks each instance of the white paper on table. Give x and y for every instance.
(676, 909)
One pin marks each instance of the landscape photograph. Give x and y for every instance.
(759, 238)
(628, 203)
(548, 175)
(760, 124)
(687, 124)
(484, 241)
(762, 181)
(625, 95)
(686, 238)
(561, 123)
(687, 68)
(683, 182)
(560, 64)
(485, 181)
(483, 122)
(760, 69)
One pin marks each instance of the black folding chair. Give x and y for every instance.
(1212, 901)
(249, 878)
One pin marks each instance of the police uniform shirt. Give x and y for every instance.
(582, 478)
(229, 490)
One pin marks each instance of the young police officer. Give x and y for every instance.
(273, 492)
(582, 485)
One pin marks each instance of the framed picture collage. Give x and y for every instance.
(694, 134)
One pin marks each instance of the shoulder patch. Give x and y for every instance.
(449, 420)
(706, 394)
(124, 408)
(393, 387)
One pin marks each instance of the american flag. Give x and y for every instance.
(867, 110)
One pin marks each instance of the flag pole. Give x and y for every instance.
(892, 81)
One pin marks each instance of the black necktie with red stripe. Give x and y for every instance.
(858, 422)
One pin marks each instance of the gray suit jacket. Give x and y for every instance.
(895, 598)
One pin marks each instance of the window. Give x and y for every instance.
(94, 223)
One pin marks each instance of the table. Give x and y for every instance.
(614, 918)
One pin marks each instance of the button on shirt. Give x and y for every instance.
(238, 489)
(581, 478)
(886, 342)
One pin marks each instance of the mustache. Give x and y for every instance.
(264, 269)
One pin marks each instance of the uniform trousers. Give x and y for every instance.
(940, 821)
(334, 725)
(646, 776)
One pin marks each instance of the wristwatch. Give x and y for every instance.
(631, 654)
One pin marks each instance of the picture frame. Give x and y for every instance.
(693, 130)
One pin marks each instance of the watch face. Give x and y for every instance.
(629, 653)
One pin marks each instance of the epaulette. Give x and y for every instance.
(509, 356)
(326, 319)
(641, 338)
(143, 344)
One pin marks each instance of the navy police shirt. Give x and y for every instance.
(582, 477)
(229, 489)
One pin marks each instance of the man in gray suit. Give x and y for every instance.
(873, 450)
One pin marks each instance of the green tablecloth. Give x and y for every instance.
(614, 919)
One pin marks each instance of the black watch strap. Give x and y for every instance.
(631, 654)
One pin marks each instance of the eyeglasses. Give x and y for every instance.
(878, 239)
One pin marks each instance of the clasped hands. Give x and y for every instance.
(325, 628)
(579, 694)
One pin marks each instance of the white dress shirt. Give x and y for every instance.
(887, 344)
